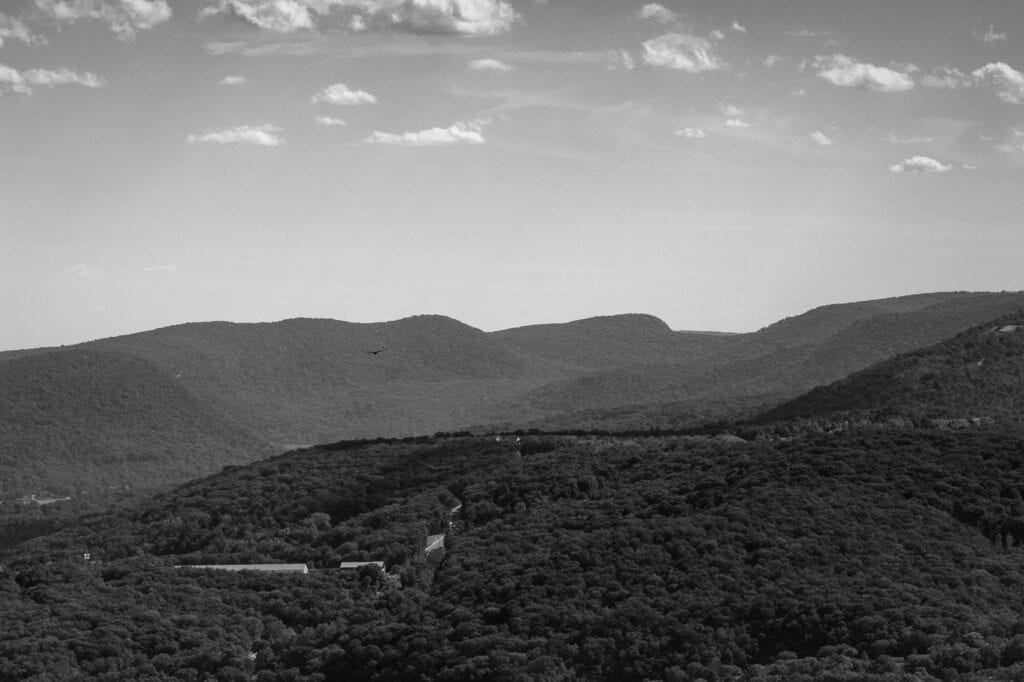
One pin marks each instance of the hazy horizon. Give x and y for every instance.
(720, 165)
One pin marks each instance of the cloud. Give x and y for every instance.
(736, 123)
(990, 35)
(329, 121)
(13, 29)
(124, 17)
(681, 51)
(341, 95)
(821, 139)
(489, 65)
(804, 33)
(1009, 81)
(729, 110)
(920, 164)
(946, 78)
(738, 27)
(845, 72)
(233, 80)
(657, 13)
(896, 139)
(12, 80)
(771, 60)
(166, 270)
(442, 17)
(691, 133)
(458, 133)
(968, 166)
(265, 135)
(79, 270)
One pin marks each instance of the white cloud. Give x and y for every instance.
(79, 270)
(990, 35)
(329, 121)
(896, 139)
(738, 27)
(729, 110)
(165, 270)
(821, 139)
(658, 13)
(13, 29)
(1009, 81)
(840, 70)
(460, 17)
(681, 51)
(1017, 132)
(968, 166)
(341, 95)
(265, 135)
(804, 33)
(771, 60)
(124, 17)
(736, 123)
(691, 133)
(458, 133)
(12, 80)
(717, 34)
(489, 65)
(920, 164)
(233, 80)
(946, 78)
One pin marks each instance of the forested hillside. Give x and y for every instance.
(224, 389)
(83, 419)
(977, 374)
(873, 555)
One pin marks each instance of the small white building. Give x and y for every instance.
(434, 542)
(356, 565)
(268, 568)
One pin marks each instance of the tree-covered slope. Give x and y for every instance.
(878, 555)
(978, 373)
(73, 420)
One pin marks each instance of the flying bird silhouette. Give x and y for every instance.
(374, 352)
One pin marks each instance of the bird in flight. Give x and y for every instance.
(374, 352)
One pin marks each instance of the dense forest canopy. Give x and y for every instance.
(847, 556)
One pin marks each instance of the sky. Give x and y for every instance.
(720, 164)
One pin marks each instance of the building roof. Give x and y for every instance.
(272, 568)
(354, 565)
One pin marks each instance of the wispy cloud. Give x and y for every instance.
(1008, 80)
(738, 27)
(14, 29)
(329, 121)
(897, 139)
(341, 95)
(657, 13)
(233, 80)
(265, 135)
(470, 132)
(691, 133)
(124, 17)
(990, 35)
(451, 17)
(79, 270)
(729, 109)
(165, 270)
(682, 52)
(23, 82)
(489, 64)
(946, 78)
(920, 164)
(771, 60)
(737, 123)
(821, 139)
(845, 72)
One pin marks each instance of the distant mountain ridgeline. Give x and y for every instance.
(976, 375)
(303, 381)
